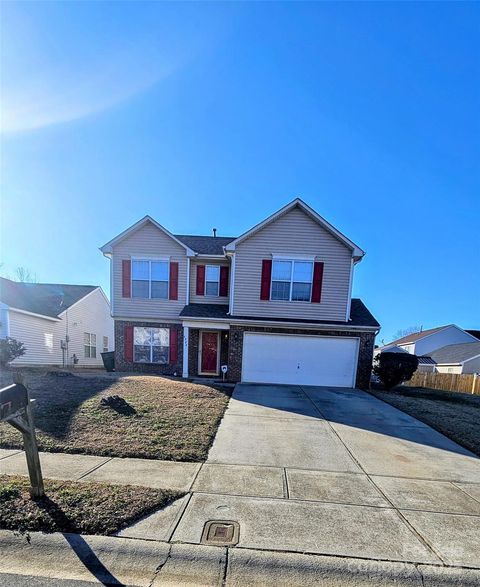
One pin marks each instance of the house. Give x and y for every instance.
(273, 305)
(60, 325)
(455, 358)
(423, 343)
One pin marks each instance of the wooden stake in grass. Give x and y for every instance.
(16, 409)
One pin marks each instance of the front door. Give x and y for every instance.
(209, 353)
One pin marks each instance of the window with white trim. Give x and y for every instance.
(90, 345)
(150, 279)
(212, 280)
(151, 345)
(105, 344)
(292, 280)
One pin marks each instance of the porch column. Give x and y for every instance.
(185, 351)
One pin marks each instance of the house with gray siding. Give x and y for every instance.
(60, 325)
(273, 305)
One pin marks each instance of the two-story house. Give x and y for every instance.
(273, 305)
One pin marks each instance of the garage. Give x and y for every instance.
(299, 359)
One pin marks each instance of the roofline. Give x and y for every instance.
(439, 329)
(258, 322)
(357, 252)
(458, 362)
(107, 248)
(84, 298)
(44, 316)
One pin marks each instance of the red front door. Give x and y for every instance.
(209, 352)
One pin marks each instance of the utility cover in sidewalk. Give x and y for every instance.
(221, 533)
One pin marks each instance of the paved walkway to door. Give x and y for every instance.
(331, 471)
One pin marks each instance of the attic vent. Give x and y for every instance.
(214, 230)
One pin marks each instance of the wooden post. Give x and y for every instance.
(474, 381)
(17, 411)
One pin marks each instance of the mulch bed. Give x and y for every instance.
(87, 508)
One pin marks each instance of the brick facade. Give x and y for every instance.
(122, 365)
(365, 352)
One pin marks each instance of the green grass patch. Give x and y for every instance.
(69, 506)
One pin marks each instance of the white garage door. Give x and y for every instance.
(301, 360)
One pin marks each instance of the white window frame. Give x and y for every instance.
(149, 260)
(105, 346)
(90, 346)
(292, 260)
(151, 362)
(210, 281)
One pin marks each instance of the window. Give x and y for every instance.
(151, 345)
(105, 344)
(90, 345)
(292, 281)
(212, 280)
(150, 279)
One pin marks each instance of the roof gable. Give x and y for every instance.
(107, 248)
(45, 299)
(415, 336)
(357, 252)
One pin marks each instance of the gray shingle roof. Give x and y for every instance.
(206, 245)
(455, 353)
(359, 314)
(47, 299)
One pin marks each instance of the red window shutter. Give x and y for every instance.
(266, 279)
(126, 278)
(173, 346)
(223, 281)
(317, 282)
(200, 280)
(128, 344)
(173, 293)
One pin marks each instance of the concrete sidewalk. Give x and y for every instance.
(144, 472)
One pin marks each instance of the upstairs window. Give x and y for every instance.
(150, 279)
(90, 345)
(212, 280)
(151, 345)
(292, 280)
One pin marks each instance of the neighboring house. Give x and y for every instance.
(455, 358)
(57, 323)
(273, 305)
(423, 343)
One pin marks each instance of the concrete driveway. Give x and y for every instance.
(334, 471)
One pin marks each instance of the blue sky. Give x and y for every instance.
(218, 114)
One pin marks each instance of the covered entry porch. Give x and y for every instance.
(205, 349)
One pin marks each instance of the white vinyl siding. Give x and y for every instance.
(194, 299)
(295, 234)
(148, 241)
(41, 339)
(444, 337)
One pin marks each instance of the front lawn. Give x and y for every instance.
(68, 506)
(165, 418)
(454, 414)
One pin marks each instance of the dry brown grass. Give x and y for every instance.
(172, 419)
(454, 414)
(68, 506)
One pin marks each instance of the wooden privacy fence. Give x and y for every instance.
(447, 382)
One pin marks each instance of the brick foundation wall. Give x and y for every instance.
(122, 365)
(365, 352)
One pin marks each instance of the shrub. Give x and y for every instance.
(394, 368)
(10, 349)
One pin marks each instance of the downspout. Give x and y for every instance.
(232, 285)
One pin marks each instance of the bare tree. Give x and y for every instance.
(24, 275)
(405, 332)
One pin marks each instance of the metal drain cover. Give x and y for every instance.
(221, 533)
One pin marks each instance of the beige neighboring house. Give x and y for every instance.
(60, 325)
(273, 305)
(455, 358)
